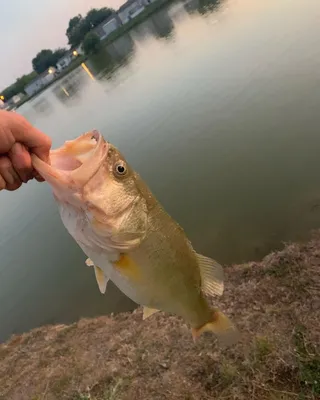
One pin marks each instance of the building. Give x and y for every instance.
(131, 9)
(66, 60)
(17, 98)
(107, 26)
(40, 81)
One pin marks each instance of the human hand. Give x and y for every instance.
(18, 139)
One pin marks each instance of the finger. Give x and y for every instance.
(14, 186)
(9, 174)
(2, 183)
(37, 176)
(33, 138)
(21, 161)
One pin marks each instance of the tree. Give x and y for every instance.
(58, 53)
(42, 61)
(91, 43)
(78, 26)
(18, 86)
(74, 22)
(77, 30)
(96, 16)
(47, 58)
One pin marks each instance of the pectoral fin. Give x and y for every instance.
(132, 229)
(211, 275)
(147, 312)
(101, 279)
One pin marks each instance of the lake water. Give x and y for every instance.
(217, 106)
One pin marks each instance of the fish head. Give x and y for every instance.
(92, 176)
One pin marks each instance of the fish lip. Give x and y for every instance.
(78, 177)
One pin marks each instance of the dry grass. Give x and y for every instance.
(275, 304)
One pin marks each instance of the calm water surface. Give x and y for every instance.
(217, 107)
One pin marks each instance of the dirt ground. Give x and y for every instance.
(275, 304)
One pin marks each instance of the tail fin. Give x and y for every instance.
(221, 326)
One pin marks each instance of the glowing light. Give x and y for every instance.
(83, 65)
(65, 91)
(75, 53)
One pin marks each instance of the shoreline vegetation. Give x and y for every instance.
(275, 303)
(125, 28)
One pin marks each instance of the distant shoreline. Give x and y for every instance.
(149, 10)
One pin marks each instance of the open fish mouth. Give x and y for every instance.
(75, 162)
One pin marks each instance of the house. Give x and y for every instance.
(131, 9)
(17, 98)
(107, 26)
(66, 60)
(40, 81)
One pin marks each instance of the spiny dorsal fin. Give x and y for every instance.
(211, 275)
(147, 312)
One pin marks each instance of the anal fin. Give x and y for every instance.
(147, 312)
(211, 275)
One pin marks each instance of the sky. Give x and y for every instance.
(26, 27)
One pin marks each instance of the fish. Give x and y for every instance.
(130, 239)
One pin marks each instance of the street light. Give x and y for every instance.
(50, 70)
(75, 53)
(1, 97)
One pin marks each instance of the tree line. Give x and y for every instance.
(78, 30)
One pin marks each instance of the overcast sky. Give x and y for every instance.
(27, 27)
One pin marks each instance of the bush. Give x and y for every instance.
(91, 43)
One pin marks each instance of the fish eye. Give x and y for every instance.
(120, 169)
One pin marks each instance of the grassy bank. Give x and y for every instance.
(275, 304)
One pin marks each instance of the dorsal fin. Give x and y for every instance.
(211, 275)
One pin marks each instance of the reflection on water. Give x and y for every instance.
(69, 90)
(159, 25)
(116, 55)
(191, 6)
(208, 6)
(222, 122)
(43, 106)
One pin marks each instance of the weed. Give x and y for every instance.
(308, 361)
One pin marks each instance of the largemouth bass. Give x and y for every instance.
(129, 238)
